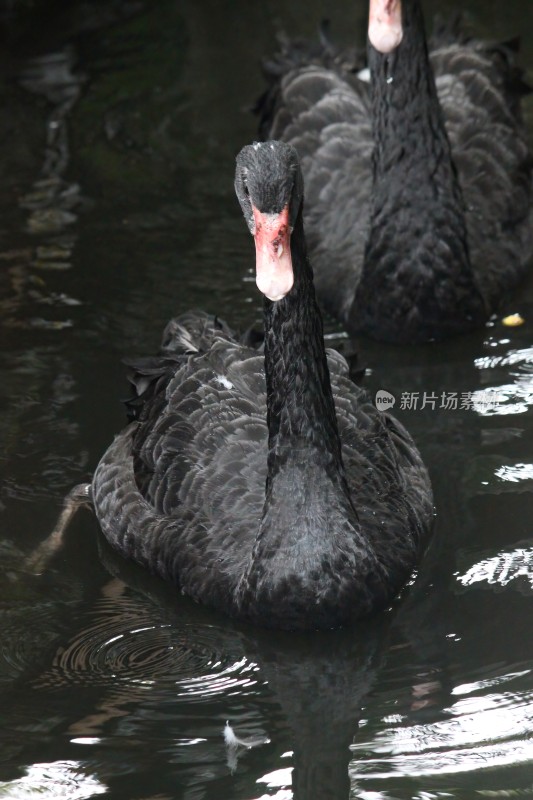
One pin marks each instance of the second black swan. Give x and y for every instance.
(418, 183)
(265, 485)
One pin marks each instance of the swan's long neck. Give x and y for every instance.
(301, 411)
(408, 122)
(418, 236)
(308, 523)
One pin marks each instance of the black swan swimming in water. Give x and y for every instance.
(418, 183)
(265, 485)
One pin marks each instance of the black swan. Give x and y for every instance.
(418, 183)
(265, 485)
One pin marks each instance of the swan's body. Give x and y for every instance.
(418, 183)
(267, 486)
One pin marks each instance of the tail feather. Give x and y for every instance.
(191, 333)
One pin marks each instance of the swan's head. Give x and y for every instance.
(269, 187)
(385, 29)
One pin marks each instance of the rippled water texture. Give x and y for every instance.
(120, 126)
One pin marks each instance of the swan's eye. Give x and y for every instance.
(246, 190)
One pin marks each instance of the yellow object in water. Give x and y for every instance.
(513, 320)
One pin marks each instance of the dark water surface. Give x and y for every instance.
(119, 129)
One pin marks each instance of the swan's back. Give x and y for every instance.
(181, 490)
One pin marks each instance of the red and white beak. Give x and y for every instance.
(385, 30)
(273, 263)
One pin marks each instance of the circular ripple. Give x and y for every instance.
(123, 645)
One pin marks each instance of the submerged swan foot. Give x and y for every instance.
(80, 495)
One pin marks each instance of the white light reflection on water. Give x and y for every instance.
(513, 357)
(481, 732)
(86, 740)
(232, 679)
(59, 780)
(515, 472)
(513, 398)
(468, 688)
(417, 796)
(501, 569)
(279, 779)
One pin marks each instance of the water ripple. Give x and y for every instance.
(511, 358)
(132, 648)
(479, 732)
(514, 397)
